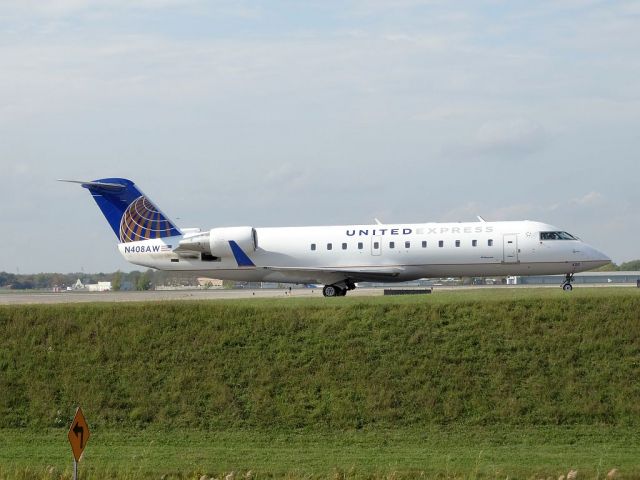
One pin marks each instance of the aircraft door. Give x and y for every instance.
(510, 248)
(376, 245)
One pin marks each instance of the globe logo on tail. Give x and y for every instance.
(142, 221)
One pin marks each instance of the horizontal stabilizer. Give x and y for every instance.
(108, 186)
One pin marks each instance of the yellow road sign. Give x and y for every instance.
(78, 434)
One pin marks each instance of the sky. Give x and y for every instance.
(286, 113)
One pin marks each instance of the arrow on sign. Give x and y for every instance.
(77, 429)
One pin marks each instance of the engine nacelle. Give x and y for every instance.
(219, 238)
(215, 242)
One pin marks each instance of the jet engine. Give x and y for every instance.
(215, 242)
(245, 237)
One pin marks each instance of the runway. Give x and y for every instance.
(26, 298)
(29, 297)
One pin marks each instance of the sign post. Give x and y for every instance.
(78, 437)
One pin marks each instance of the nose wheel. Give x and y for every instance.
(566, 285)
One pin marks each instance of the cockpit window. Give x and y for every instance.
(556, 236)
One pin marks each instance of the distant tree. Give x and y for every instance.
(23, 285)
(42, 280)
(116, 281)
(132, 277)
(632, 266)
(609, 267)
(7, 279)
(57, 280)
(144, 281)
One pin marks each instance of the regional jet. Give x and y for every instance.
(338, 257)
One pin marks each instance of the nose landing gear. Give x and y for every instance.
(566, 285)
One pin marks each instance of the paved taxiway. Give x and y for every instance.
(25, 298)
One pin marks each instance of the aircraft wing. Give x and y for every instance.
(335, 274)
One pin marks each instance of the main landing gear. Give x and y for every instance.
(566, 285)
(338, 289)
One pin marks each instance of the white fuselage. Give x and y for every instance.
(378, 252)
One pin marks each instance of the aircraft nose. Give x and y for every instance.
(597, 257)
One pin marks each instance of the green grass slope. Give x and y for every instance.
(355, 363)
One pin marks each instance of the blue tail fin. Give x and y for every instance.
(130, 213)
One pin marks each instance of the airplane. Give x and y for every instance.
(338, 257)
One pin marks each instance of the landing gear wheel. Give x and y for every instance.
(330, 291)
(334, 291)
(566, 285)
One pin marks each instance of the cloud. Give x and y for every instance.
(491, 213)
(383, 7)
(292, 178)
(507, 137)
(525, 210)
(463, 213)
(59, 8)
(588, 200)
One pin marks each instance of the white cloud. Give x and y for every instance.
(287, 177)
(58, 8)
(512, 209)
(465, 212)
(510, 136)
(588, 200)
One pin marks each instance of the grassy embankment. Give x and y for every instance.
(458, 384)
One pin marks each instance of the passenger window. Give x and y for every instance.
(376, 245)
(474, 243)
(329, 246)
(392, 244)
(313, 247)
(407, 244)
(457, 243)
(490, 242)
(344, 246)
(441, 243)
(360, 245)
(424, 244)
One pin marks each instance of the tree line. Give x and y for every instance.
(632, 266)
(134, 280)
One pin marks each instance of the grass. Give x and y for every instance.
(459, 384)
(404, 453)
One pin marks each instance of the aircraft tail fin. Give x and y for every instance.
(131, 214)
